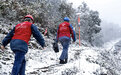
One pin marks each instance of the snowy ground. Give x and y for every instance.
(82, 61)
(45, 62)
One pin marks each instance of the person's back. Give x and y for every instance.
(64, 29)
(22, 34)
(23, 31)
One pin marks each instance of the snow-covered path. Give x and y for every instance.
(82, 61)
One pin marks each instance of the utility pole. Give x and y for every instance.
(78, 14)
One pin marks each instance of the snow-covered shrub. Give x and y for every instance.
(110, 61)
(70, 71)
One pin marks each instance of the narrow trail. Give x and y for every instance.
(79, 59)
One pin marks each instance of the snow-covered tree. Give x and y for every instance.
(47, 13)
(90, 23)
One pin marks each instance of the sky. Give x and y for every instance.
(109, 10)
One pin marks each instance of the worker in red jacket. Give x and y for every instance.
(64, 33)
(19, 37)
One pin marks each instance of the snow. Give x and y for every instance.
(82, 60)
(83, 63)
(111, 44)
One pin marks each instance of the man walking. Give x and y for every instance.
(18, 38)
(64, 33)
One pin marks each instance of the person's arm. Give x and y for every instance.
(37, 35)
(8, 38)
(72, 32)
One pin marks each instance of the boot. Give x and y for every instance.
(62, 61)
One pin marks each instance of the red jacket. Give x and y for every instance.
(23, 31)
(65, 29)
(19, 36)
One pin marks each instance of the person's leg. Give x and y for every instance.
(65, 44)
(19, 57)
(22, 69)
(66, 57)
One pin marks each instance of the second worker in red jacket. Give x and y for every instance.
(64, 33)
